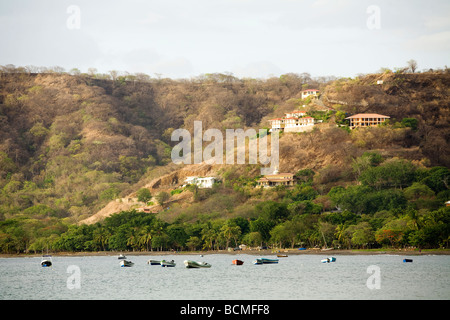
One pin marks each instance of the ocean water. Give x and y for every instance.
(295, 277)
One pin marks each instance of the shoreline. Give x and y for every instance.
(407, 252)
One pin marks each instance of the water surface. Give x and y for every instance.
(294, 277)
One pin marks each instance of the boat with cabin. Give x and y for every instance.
(46, 261)
(126, 263)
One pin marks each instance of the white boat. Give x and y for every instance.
(46, 261)
(196, 264)
(154, 262)
(328, 260)
(121, 256)
(165, 263)
(126, 263)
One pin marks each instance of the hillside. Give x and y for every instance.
(72, 147)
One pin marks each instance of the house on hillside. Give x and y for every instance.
(201, 182)
(298, 124)
(294, 121)
(366, 120)
(277, 179)
(295, 114)
(310, 92)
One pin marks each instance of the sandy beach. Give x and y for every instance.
(407, 252)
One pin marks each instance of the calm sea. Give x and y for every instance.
(294, 277)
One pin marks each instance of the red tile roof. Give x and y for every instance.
(367, 115)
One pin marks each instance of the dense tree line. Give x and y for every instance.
(404, 208)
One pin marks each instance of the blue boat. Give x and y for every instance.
(328, 260)
(407, 260)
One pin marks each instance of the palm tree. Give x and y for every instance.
(145, 237)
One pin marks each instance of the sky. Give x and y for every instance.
(248, 38)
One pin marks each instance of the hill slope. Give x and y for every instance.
(72, 145)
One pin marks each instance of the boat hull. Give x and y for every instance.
(265, 261)
(238, 262)
(126, 263)
(168, 264)
(196, 264)
(328, 260)
(154, 262)
(46, 263)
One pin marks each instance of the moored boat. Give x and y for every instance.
(154, 262)
(165, 263)
(328, 260)
(407, 260)
(196, 264)
(121, 256)
(46, 261)
(269, 261)
(265, 261)
(282, 255)
(126, 263)
(238, 262)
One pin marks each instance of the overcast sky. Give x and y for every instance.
(249, 38)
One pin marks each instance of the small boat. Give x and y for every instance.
(46, 261)
(154, 262)
(238, 262)
(196, 264)
(121, 256)
(268, 261)
(126, 263)
(282, 255)
(301, 248)
(328, 260)
(165, 263)
(265, 261)
(407, 260)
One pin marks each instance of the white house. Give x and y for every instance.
(276, 124)
(309, 92)
(201, 182)
(298, 124)
(295, 121)
(295, 114)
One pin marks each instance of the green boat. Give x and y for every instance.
(196, 264)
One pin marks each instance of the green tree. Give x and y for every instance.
(144, 195)
(162, 197)
(230, 231)
(410, 122)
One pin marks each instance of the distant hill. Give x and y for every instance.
(71, 146)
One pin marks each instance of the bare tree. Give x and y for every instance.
(412, 65)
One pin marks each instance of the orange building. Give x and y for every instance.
(366, 120)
